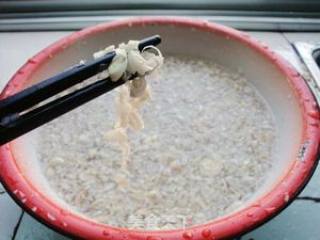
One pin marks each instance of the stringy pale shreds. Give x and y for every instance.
(129, 61)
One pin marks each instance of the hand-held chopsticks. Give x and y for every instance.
(14, 123)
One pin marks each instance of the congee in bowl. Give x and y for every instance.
(199, 155)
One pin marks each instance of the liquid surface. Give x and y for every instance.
(206, 148)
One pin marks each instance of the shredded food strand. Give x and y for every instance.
(129, 61)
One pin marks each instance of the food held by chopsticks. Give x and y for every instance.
(129, 61)
(22, 113)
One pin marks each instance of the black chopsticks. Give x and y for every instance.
(15, 120)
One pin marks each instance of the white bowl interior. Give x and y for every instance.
(267, 79)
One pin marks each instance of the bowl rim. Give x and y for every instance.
(235, 224)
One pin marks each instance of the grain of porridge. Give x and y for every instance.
(207, 145)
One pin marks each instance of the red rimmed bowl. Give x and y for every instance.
(297, 122)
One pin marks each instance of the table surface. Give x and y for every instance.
(300, 220)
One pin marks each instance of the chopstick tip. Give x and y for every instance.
(153, 40)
